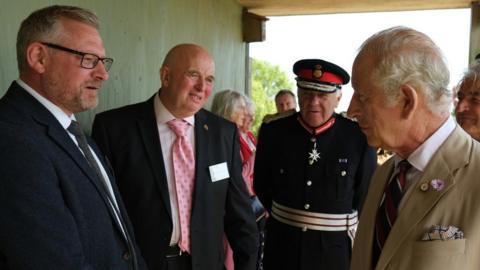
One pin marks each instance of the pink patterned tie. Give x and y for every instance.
(184, 170)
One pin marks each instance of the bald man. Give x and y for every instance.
(141, 144)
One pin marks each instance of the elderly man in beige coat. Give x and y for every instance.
(423, 215)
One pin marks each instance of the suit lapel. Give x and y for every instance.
(201, 151)
(420, 203)
(60, 136)
(147, 126)
(54, 130)
(370, 209)
(117, 195)
(50, 125)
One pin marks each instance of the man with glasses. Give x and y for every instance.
(59, 206)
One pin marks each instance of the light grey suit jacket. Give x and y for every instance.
(457, 163)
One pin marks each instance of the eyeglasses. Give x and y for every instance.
(89, 61)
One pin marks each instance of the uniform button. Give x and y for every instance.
(306, 206)
(281, 171)
(126, 256)
(343, 173)
(313, 139)
(309, 183)
(424, 187)
(304, 228)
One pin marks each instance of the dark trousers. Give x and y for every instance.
(182, 262)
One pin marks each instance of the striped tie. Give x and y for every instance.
(387, 213)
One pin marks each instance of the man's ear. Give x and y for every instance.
(37, 57)
(339, 96)
(164, 76)
(409, 100)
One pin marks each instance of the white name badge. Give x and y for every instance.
(219, 172)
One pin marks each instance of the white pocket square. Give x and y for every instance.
(443, 233)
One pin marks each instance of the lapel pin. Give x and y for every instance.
(437, 184)
(424, 186)
(205, 127)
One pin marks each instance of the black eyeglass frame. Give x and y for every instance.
(107, 62)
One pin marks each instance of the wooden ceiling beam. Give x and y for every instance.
(307, 7)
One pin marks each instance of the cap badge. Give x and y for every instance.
(317, 71)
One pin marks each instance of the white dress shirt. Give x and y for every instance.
(167, 138)
(420, 158)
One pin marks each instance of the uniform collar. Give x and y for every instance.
(315, 131)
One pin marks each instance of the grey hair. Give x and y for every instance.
(44, 25)
(404, 56)
(225, 102)
(250, 105)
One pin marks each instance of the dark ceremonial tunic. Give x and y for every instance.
(336, 183)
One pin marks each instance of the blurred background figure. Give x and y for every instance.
(248, 142)
(239, 109)
(286, 105)
(285, 101)
(467, 108)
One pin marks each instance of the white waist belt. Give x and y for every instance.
(315, 221)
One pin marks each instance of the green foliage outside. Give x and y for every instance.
(267, 80)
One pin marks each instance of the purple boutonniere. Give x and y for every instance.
(437, 184)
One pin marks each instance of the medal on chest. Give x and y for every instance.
(313, 155)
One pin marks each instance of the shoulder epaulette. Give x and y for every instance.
(272, 117)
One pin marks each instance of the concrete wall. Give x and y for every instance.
(138, 34)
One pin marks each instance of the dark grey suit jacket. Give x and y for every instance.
(129, 137)
(54, 213)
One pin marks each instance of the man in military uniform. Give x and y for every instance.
(312, 173)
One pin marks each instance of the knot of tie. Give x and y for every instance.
(75, 129)
(178, 126)
(404, 166)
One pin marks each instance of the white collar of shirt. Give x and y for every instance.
(163, 115)
(60, 115)
(424, 153)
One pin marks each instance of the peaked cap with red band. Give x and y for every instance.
(319, 75)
